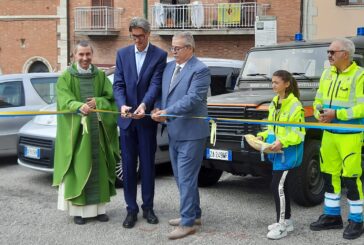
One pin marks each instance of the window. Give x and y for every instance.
(359, 59)
(349, 2)
(223, 79)
(176, 16)
(109, 3)
(11, 94)
(306, 61)
(46, 88)
(354, 2)
(38, 66)
(102, 17)
(175, 1)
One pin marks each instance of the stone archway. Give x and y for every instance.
(37, 64)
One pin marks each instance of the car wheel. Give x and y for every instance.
(208, 176)
(306, 183)
(119, 182)
(119, 175)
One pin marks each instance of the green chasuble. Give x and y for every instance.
(85, 162)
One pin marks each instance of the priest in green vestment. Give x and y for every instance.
(86, 148)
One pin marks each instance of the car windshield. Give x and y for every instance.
(46, 88)
(308, 62)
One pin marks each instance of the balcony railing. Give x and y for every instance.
(98, 21)
(208, 18)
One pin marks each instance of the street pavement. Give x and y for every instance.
(235, 211)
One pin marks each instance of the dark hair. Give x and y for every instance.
(83, 43)
(139, 22)
(287, 77)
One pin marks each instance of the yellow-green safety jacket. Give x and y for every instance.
(343, 92)
(292, 138)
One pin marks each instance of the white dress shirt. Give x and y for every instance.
(140, 57)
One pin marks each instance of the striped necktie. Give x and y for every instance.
(174, 77)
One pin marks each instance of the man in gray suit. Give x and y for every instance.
(185, 84)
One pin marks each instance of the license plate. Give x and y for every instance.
(32, 152)
(225, 155)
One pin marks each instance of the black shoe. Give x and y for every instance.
(130, 220)
(79, 220)
(353, 230)
(150, 216)
(102, 218)
(327, 222)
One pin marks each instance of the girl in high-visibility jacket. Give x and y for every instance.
(287, 143)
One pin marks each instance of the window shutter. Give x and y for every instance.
(96, 3)
(108, 3)
(342, 2)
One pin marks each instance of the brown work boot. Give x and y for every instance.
(176, 222)
(181, 231)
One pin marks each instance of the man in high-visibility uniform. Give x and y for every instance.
(340, 99)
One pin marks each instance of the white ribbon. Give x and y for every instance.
(213, 132)
(84, 125)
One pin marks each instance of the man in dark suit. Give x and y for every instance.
(184, 91)
(137, 84)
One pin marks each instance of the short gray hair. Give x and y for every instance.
(188, 37)
(139, 22)
(83, 43)
(348, 46)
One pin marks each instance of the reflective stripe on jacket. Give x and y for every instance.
(291, 138)
(343, 92)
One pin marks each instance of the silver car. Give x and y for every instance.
(36, 138)
(22, 92)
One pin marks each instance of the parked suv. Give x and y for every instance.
(22, 92)
(36, 138)
(306, 61)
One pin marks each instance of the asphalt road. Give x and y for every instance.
(235, 211)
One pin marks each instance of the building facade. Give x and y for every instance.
(39, 35)
(30, 37)
(332, 18)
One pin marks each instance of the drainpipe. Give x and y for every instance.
(301, 16)
(145, 8)
(68, 33)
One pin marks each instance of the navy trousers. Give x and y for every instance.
(138, 140)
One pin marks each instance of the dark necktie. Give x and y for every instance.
(174, 77)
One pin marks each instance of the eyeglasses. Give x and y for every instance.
(177, 49)
(140, 37)
(332, 52)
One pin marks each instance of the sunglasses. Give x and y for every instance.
(332, 52)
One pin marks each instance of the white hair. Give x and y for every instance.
(348, 46)
(188, 38)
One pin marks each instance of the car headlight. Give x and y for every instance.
(50, 120)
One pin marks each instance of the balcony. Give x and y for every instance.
(98, 21)
(206, 19)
